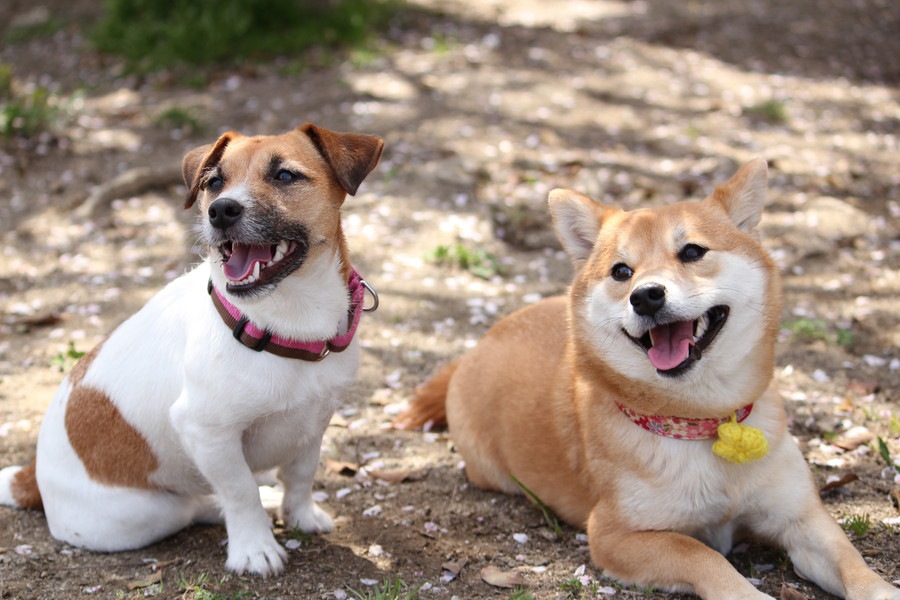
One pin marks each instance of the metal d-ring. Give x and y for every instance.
(372, 291)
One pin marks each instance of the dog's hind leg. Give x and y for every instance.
(108, 519)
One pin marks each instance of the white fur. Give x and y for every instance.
(213, 412)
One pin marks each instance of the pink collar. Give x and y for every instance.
(260, 340)
(681, 428)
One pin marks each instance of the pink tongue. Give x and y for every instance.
(243, 256)
(671, 344)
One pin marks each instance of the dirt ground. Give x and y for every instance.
(484, 106)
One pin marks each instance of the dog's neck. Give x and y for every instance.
(311, 305)
(682, 428)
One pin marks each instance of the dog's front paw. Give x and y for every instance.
(888, 593)
(263, 556)
(308, 519)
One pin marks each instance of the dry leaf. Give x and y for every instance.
(862, 387)
(346, 469)
(154, 577)
(854, 438)
(389, 475)
(848, 478)
(455, 566)
(41, 320)
(789, 593)
(337, 420)
(491, 575)
(396, 475)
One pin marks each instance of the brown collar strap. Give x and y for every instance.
(262, 340)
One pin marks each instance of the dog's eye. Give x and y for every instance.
(691, 253)
(285, 176)
(621, 272)
(215, 184)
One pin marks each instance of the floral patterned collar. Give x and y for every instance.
(681, 428)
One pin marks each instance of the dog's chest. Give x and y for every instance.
(685, 489)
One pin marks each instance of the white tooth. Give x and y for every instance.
(255, 271)
(270, 263)
(250, 279)
(280, 250)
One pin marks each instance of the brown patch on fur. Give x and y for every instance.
(198, 160)
(351, 156)
(25, 490)
(112, 450)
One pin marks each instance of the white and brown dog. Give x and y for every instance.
(233, 369)
(640, 405)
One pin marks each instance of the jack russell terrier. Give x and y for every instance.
(233, 369)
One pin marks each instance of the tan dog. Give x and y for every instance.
(231, 370)
(607, 403)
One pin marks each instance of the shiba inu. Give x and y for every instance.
(232, 369)
(640, 405)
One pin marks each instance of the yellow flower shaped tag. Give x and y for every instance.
(740, 443)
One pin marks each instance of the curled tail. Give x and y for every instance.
(18, 487)
(429, 406)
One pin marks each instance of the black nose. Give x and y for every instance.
(648, 299)
(224, 212)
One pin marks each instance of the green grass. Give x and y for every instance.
(24, 113)
(884, 452)
(157, 34)
(43, 29)
(773, 111)
(549, 516)
(180, 118)
(894, 425)
(858, 525)
(199, 587)
(807, 330)
(66, 360)
(477, 261)
(521, 594)
(574, 589)
(395, 589)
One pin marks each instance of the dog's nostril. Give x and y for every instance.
(648, 299)
(224, 212)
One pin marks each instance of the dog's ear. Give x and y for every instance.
(744, 195)
(351, 156)
(577, 220)
(198, 160)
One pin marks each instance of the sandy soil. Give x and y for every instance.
(485, 107)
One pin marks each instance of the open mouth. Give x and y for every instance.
(250, 266)
(673, 348)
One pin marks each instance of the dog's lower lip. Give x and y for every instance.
(717, 315)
